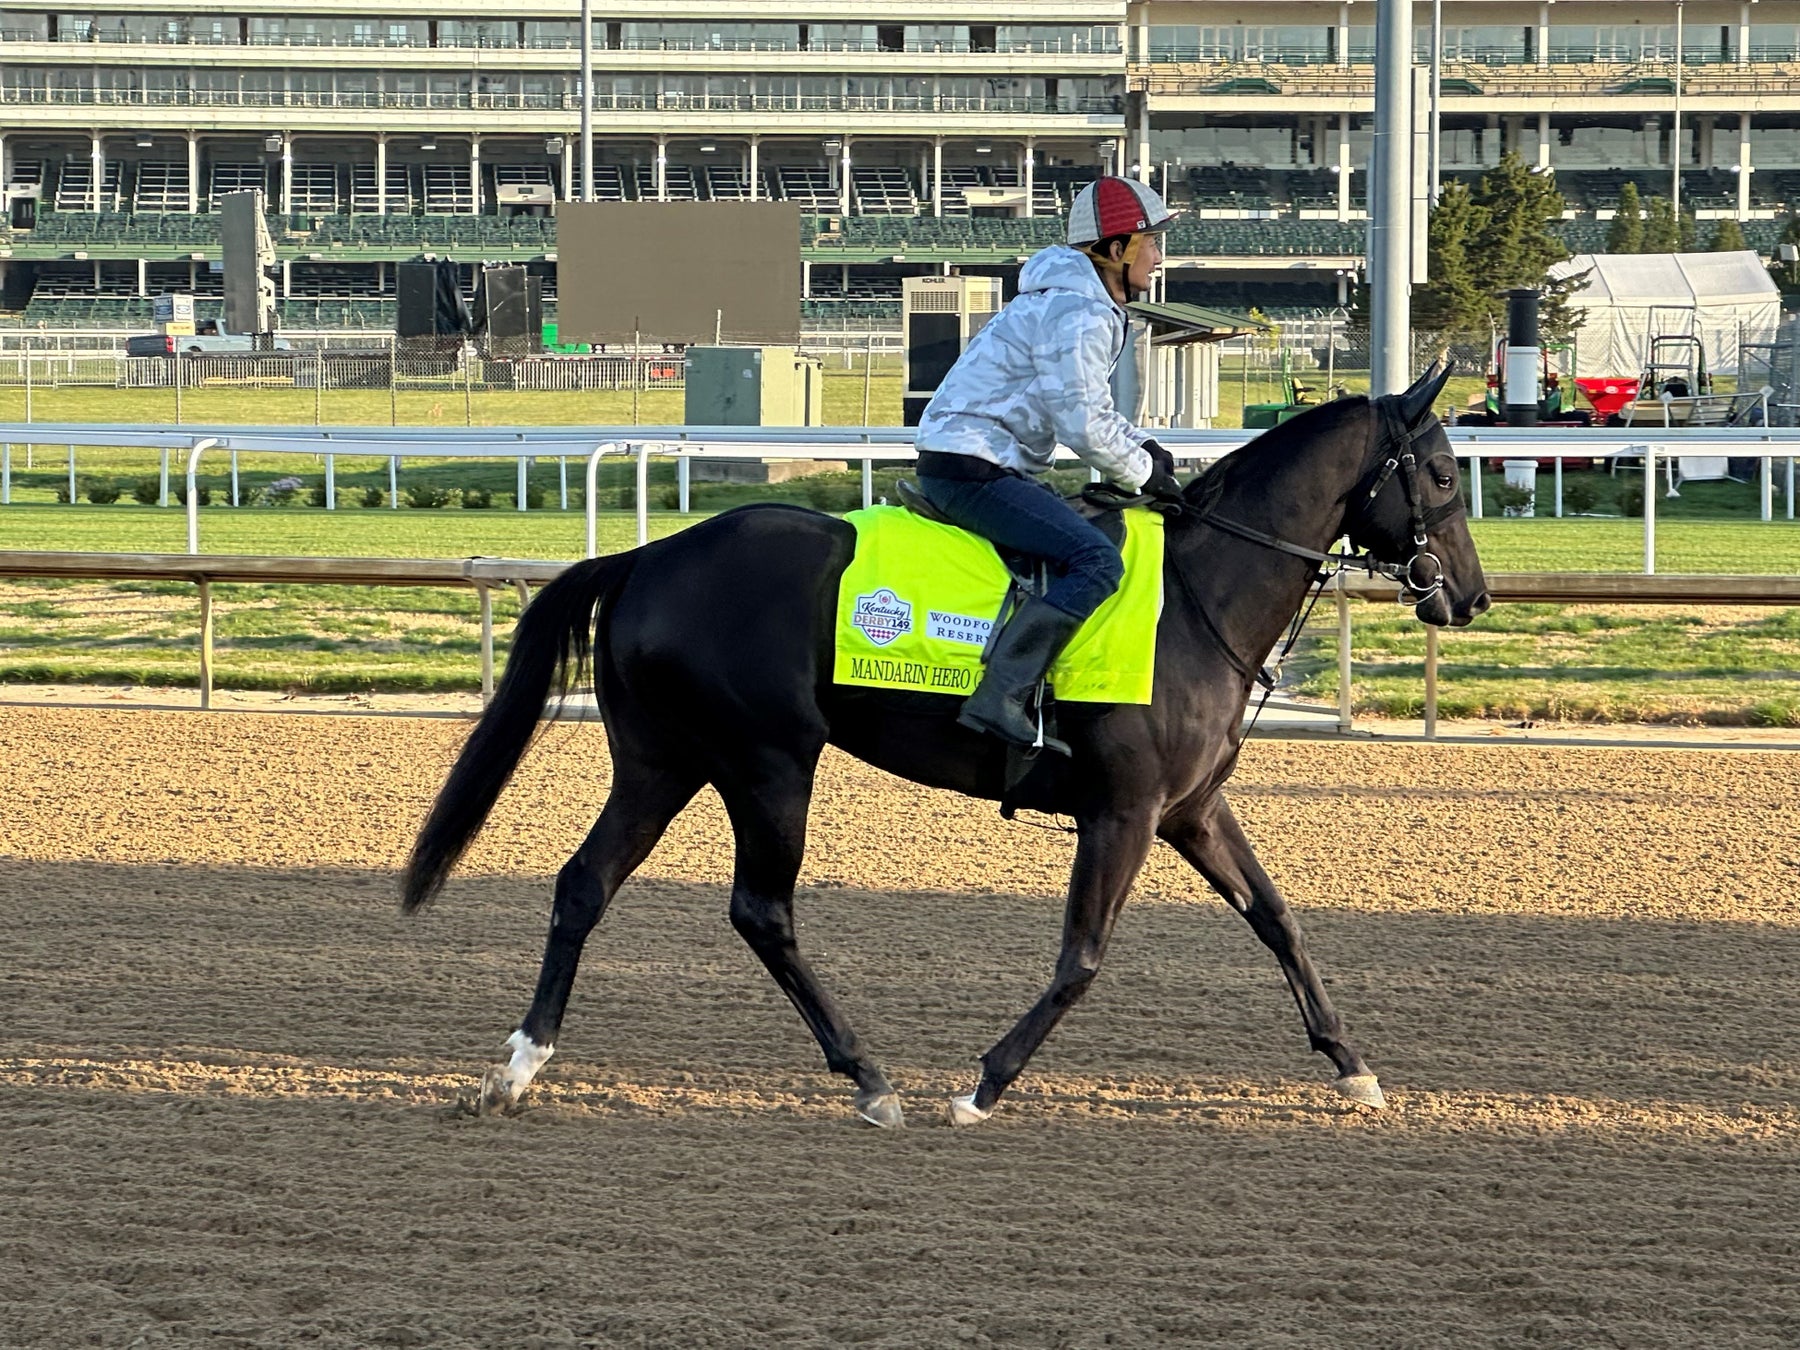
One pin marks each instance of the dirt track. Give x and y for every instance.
(228, 1066)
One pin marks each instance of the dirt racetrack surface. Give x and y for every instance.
(229, 1069)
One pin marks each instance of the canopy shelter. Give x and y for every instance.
(1174, 381)
(1721, 298)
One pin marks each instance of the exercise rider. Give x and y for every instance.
(1036, 376)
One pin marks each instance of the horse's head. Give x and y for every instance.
(1408, 509)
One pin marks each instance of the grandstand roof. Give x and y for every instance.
(1180, 324)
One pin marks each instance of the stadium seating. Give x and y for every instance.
(75, 185)
(315, 190)
(680, 183)
(811, 188)
(883, 190)
(160, 186)
(401, 199)
(449, 190)
(223, 178)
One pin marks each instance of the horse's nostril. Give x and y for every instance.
(1480, 604)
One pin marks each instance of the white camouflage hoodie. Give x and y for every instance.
(1038, 375)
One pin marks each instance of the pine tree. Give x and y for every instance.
(1453, 299)
(1687, 233)
(1515, 246)
(1727, 237)
(1626, 233)
(1662, 233)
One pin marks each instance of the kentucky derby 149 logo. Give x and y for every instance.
(882, 616)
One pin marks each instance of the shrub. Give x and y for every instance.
(101, 492)
(477, 498)
(147, 490)
(62, 492)
(668, 497)
(282, 490)
(1512, 500)
(203, 491)
(423, 497)
(1580, 496)
(535, 497)
(316, 494)
(1631, 500)
(374, 497)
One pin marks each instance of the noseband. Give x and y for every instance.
(1422, 575)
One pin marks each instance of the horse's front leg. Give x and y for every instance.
(1111, 850)
(1208, 836)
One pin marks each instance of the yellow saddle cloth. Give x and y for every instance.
(919, 599)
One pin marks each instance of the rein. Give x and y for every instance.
(1398, 439)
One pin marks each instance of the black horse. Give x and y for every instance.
(712, 658)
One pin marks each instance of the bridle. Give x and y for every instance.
(1420, 576)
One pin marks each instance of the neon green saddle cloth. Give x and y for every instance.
(919, 599)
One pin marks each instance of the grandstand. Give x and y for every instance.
(934, 135)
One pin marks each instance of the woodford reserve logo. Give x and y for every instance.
(882, 616)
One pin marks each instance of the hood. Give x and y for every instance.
(1061, 268)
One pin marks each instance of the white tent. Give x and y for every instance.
(1631, 297)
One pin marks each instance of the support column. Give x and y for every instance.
(287, 278)
(755, 168)
(475, 173)
(1744, 169)
(5, 176)
(1143, 146)
(568, 168)
(381, 173)
(1390, 202)
(1513, 133)
(193, 172)
(1343, 166)
(1030, 175)
(662, 168)
(937, 176)
(143, 277)
(287, 173)
(1490, 141)
(1543, 34)
(97, 158)
(1743, 33)
(805, 279)
(1653, 141)
(1544, 142)
(1703, 139)
(844, 178)
(1343, 35)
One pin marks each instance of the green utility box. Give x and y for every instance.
(754, 387)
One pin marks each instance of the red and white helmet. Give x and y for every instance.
(1112, 206)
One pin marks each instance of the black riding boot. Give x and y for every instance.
(1031, 640)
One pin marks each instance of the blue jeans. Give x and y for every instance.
(1016, 513)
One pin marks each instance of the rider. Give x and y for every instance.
(1037, 375)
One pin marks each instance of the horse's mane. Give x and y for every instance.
(1203, 493)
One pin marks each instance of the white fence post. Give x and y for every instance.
(193, 502)
(643, 494)
(1649, 510)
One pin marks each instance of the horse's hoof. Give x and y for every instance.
(496, 1093)
(880, 1109)
(963, 1111)
(1361, 1088)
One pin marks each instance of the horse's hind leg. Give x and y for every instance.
(768, 814)
(639, 808)
(1210, 838)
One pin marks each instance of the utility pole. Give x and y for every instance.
(587, 100)
(1390, 202)
(1435, 165)
(1675, 140)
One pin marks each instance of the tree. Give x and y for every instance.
(1626, 233)
(1687, 233)
(1515, 246)
(1727, 237)
(1662, 232)
(1454, 298)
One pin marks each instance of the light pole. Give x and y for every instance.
(1434, 131)
(1390, 202)
(587, 100)
(1675, 144)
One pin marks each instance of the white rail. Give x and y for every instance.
(862, 444)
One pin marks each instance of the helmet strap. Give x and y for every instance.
(1134, 245)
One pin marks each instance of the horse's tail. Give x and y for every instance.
(550, 652)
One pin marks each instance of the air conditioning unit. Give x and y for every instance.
(939, 317)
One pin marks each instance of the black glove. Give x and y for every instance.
(1163, 486)
(1160, 457)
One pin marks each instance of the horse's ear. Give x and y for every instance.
(1416, 402)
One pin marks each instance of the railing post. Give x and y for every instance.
(1343, 618)
(1475, 483)
(685, 476)
(206, 644)
(519, 482)
(1559, 504)
(1649, 510)
(487, 642)
(234, 478)
(1766, 486)
(562, 480)
(1431, 679)
(643, 494)
(6, 475)
(331, 482)
(868, 483)
(587, 502)
(394, 482)
(193, 489)
(162, 480)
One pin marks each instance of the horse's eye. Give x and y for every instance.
(1445, 481)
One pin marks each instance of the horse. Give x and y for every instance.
(711, 658)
